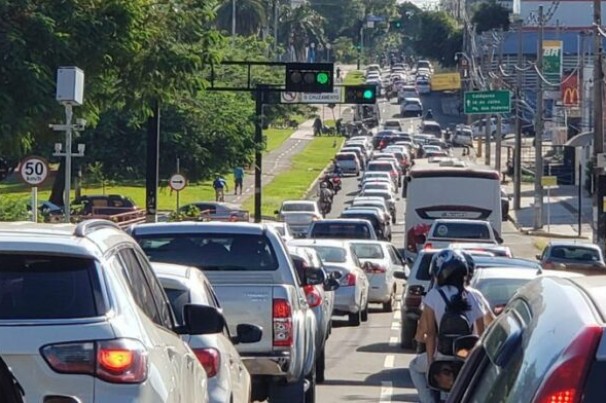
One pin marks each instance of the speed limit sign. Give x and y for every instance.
(34, 170)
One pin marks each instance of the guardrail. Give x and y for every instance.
(123, 219)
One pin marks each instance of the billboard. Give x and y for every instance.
(446, 82)
(571, 95)
(552, 66)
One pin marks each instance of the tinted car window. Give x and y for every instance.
(368, 251)
(385, 167)
(458, 230)
(423, 269)
(369, 217)
(345, 157)
(49, 287)
(217, 252)
(330, 254)
(577, 253)
(178, 299)
(340, 231)
(498, 290)
(298, 207)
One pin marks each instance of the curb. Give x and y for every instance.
(314, 183)
(542, 233)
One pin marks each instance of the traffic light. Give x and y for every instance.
(361, 94)
(309, 77)
(396, 25)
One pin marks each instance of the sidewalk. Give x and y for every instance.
(560, 210)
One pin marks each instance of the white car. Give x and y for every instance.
(228, 378)
(407, 91)
(444, 232)
(462, 136)
(423, 85)
(392, 124)
(377, 186)
(380, 260)
(83, 318)
(411, 107)
(478, 128)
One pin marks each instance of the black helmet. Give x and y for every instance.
(447, 263)
(471, 264)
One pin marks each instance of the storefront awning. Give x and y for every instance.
(584, 139)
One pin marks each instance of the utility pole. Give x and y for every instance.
(497, 155)
(517, 150)
(599, 227)
(488, 127)
(538, 152)
(233, 17)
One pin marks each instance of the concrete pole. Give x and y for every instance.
(68, 163)
(233, 17)
(599, 226)
(538, 156)
(517, 151)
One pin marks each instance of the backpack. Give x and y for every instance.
(218, 184)
(452, 326)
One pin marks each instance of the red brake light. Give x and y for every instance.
(210, 359)
(314, 298)
(414, 295)
(115, 361)
(348, 280)
(375, 268)
(565, 382)
(427, 246)
(282, 323)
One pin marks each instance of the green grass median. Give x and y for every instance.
(294, 182)
(354, 77)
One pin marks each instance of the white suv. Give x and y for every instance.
(83, 318)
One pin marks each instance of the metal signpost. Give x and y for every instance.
(549, 182)
(34, 171)
(177, 182)
(486, 102)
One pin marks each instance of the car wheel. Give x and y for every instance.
(365, 313)
(407, 334)
(388, 306)
(355, 318)
(281, 392)
(320, 367)
(310, 395)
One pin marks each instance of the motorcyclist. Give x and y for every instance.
(325, 197)
(428, 115)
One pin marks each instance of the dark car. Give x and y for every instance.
(383, 138)
(381, 226)
(505, 199)
(342, 228)
(581, 258)
(104, 204)
(546, 346)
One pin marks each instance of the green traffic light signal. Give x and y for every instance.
(322, 78)
(360, 94)
(309, 77)
(368, 94)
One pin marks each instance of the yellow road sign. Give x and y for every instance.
(549, 181)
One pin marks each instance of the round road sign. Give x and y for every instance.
(289, 97)
(34, 170)
(177, 182)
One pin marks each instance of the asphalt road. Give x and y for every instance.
(366, 363)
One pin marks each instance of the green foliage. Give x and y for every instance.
(13, 209)
(344, 50)
(438, 37)
(190, 212)
(490, 15)
(251, 16)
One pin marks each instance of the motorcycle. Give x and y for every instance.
(325, 208)
(333, 181)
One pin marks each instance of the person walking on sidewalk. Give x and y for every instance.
(220, 186)
(318, 126)
(238, 179)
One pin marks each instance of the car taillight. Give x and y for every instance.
(348, 280)
(314, 298)
(115, 361)
(375, 268)
(414, 295)
(282, 323)
(427, 246)
(210, 358)
(548, 265)
(565, 382)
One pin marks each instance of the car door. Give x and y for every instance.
(187, 380)
(361, 276)
(396, 262)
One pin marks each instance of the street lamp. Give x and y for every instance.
(328, 46)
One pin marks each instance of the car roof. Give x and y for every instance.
(341, 220)
(312, 202)
(319, 242)
(360, 211)
(569, 243)
(172, 270)
(509, 273)
(501, 261)
(410, 99)
(459, 221)
(185, 227)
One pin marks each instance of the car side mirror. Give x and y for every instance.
(463, 345)
(401, 275)
(538, 257)
(331, 284)
(247, 334)
(314, 276)
(443, 373)
(202, 319)
(276, 212)
(336, 275)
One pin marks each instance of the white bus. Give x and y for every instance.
(449, 192)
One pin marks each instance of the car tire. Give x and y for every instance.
(355, 318)
(407, 334)
(321, 366)
(364, 314)
(310, 394)
(10, 392)
(388, 306)
(393, 218)
(282, 392)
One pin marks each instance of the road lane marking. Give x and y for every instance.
(397, 315)
(386, 392)
(389, 361)
(395, 325)
(393, 341)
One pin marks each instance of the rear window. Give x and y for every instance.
(217, 252)
(368, 251)
(499, 291)
(369, 217)
(345, 157)
(298, 207)
(432, 129)
(423, 268)
(460, 230)
(577, 253)
(340, 231)
(178, 299)
(380, 167)
(330, 254)
(49, 287)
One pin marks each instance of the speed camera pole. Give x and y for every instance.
(259, 100)
(538, 138)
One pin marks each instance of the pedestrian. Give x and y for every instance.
(317, 126)
(238, 179)
(220, 186)
(338, 73)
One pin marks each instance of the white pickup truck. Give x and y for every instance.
(444, 232)
(253, 276)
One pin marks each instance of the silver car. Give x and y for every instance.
(351, 298)
(380, 260)
(228, 378)
(299, 214)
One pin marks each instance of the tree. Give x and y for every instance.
(438, 37)
(299, 27)
(251, 17)
(490, 15)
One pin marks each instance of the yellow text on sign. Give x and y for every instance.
(549, 181)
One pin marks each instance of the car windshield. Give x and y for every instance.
(330, 254)
(498, 291)
(340, 231)
(368, 251)
(460, 230)
(49, 287)
(217, 252)
(298, 207)
(577, 253)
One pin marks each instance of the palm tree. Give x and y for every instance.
(251, 16)
(299, 27)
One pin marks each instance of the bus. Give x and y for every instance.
(437, 191)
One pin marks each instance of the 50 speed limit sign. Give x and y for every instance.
(34, 170)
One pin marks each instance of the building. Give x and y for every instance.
(572, 15)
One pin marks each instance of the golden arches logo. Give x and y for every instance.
(571, 96)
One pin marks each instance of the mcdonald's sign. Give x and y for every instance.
(571, 95)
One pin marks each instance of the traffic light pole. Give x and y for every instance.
(260, 95)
